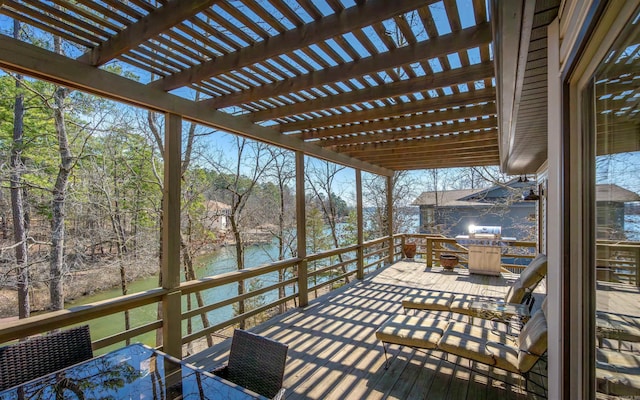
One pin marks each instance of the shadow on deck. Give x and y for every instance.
(334, 354)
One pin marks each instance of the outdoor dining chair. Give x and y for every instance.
(42, 355)
(256, 363)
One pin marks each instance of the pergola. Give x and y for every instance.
(376, 85)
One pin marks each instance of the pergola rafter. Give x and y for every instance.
(331, 81)
(402, 121)
(444, 129)
(472, 37)
(150, 26)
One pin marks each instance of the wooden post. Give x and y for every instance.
(360, 219)
(171, 302)
(429, 255)
(637, 264)
(390, 217)
(301, 231)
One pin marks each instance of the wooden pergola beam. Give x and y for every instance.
(399, 122)
(40, 63)
(433, 48)
(436, 151)
(423, 144)
(434, 163)
(359, 16)
(426, 133)
(149, 26)
(455, 153)
(472, 73)
(436, 103)
(492, 154)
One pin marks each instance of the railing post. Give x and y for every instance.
(390, 217)
(429, 255)
(360, 219)
(301, 231)
(171, 302)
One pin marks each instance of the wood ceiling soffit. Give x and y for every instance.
(333, 25)
(43, 64)
(469, 38)
(451, 128)
(151, 25)
(479, 96)
(399, 122)
(424, 144)
(512, 31)
(424, 83)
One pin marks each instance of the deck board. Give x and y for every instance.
(334, 354)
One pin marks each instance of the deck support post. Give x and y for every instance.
(429, 255)
(171, 302)
(390, 218)
(360, 218)
(301, 231)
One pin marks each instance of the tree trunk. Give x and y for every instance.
(281, 276)
(190, 274)
(56, 261)
(240, 260)
(17, 200)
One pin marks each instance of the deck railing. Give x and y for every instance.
(617, 261)
(515, 255)
(269, 289)
(273, 288)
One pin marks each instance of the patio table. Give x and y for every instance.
(136, 371)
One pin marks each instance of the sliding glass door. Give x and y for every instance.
(611, 128)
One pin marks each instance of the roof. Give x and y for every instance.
(615, 193)
(377, 85)
(453, 198)
(447, 198)
(216, 206)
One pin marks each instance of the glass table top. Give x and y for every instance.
(133, 372)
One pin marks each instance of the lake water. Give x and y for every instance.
(221, 261)
(632, 227)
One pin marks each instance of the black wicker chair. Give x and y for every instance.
(42, 355)
(256, 363)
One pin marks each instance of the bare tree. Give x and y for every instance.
(321, 181)
(237, 180)
(375, 189)
(284, 173)
(59, 193)
(17, 196)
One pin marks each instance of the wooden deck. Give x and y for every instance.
(334, 354)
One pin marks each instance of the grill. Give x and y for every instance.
(485, 232)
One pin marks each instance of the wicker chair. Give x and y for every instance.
(256, 363)
(42, 355)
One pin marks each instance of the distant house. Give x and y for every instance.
(610, 212)
(217, 217)
(451, 212)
